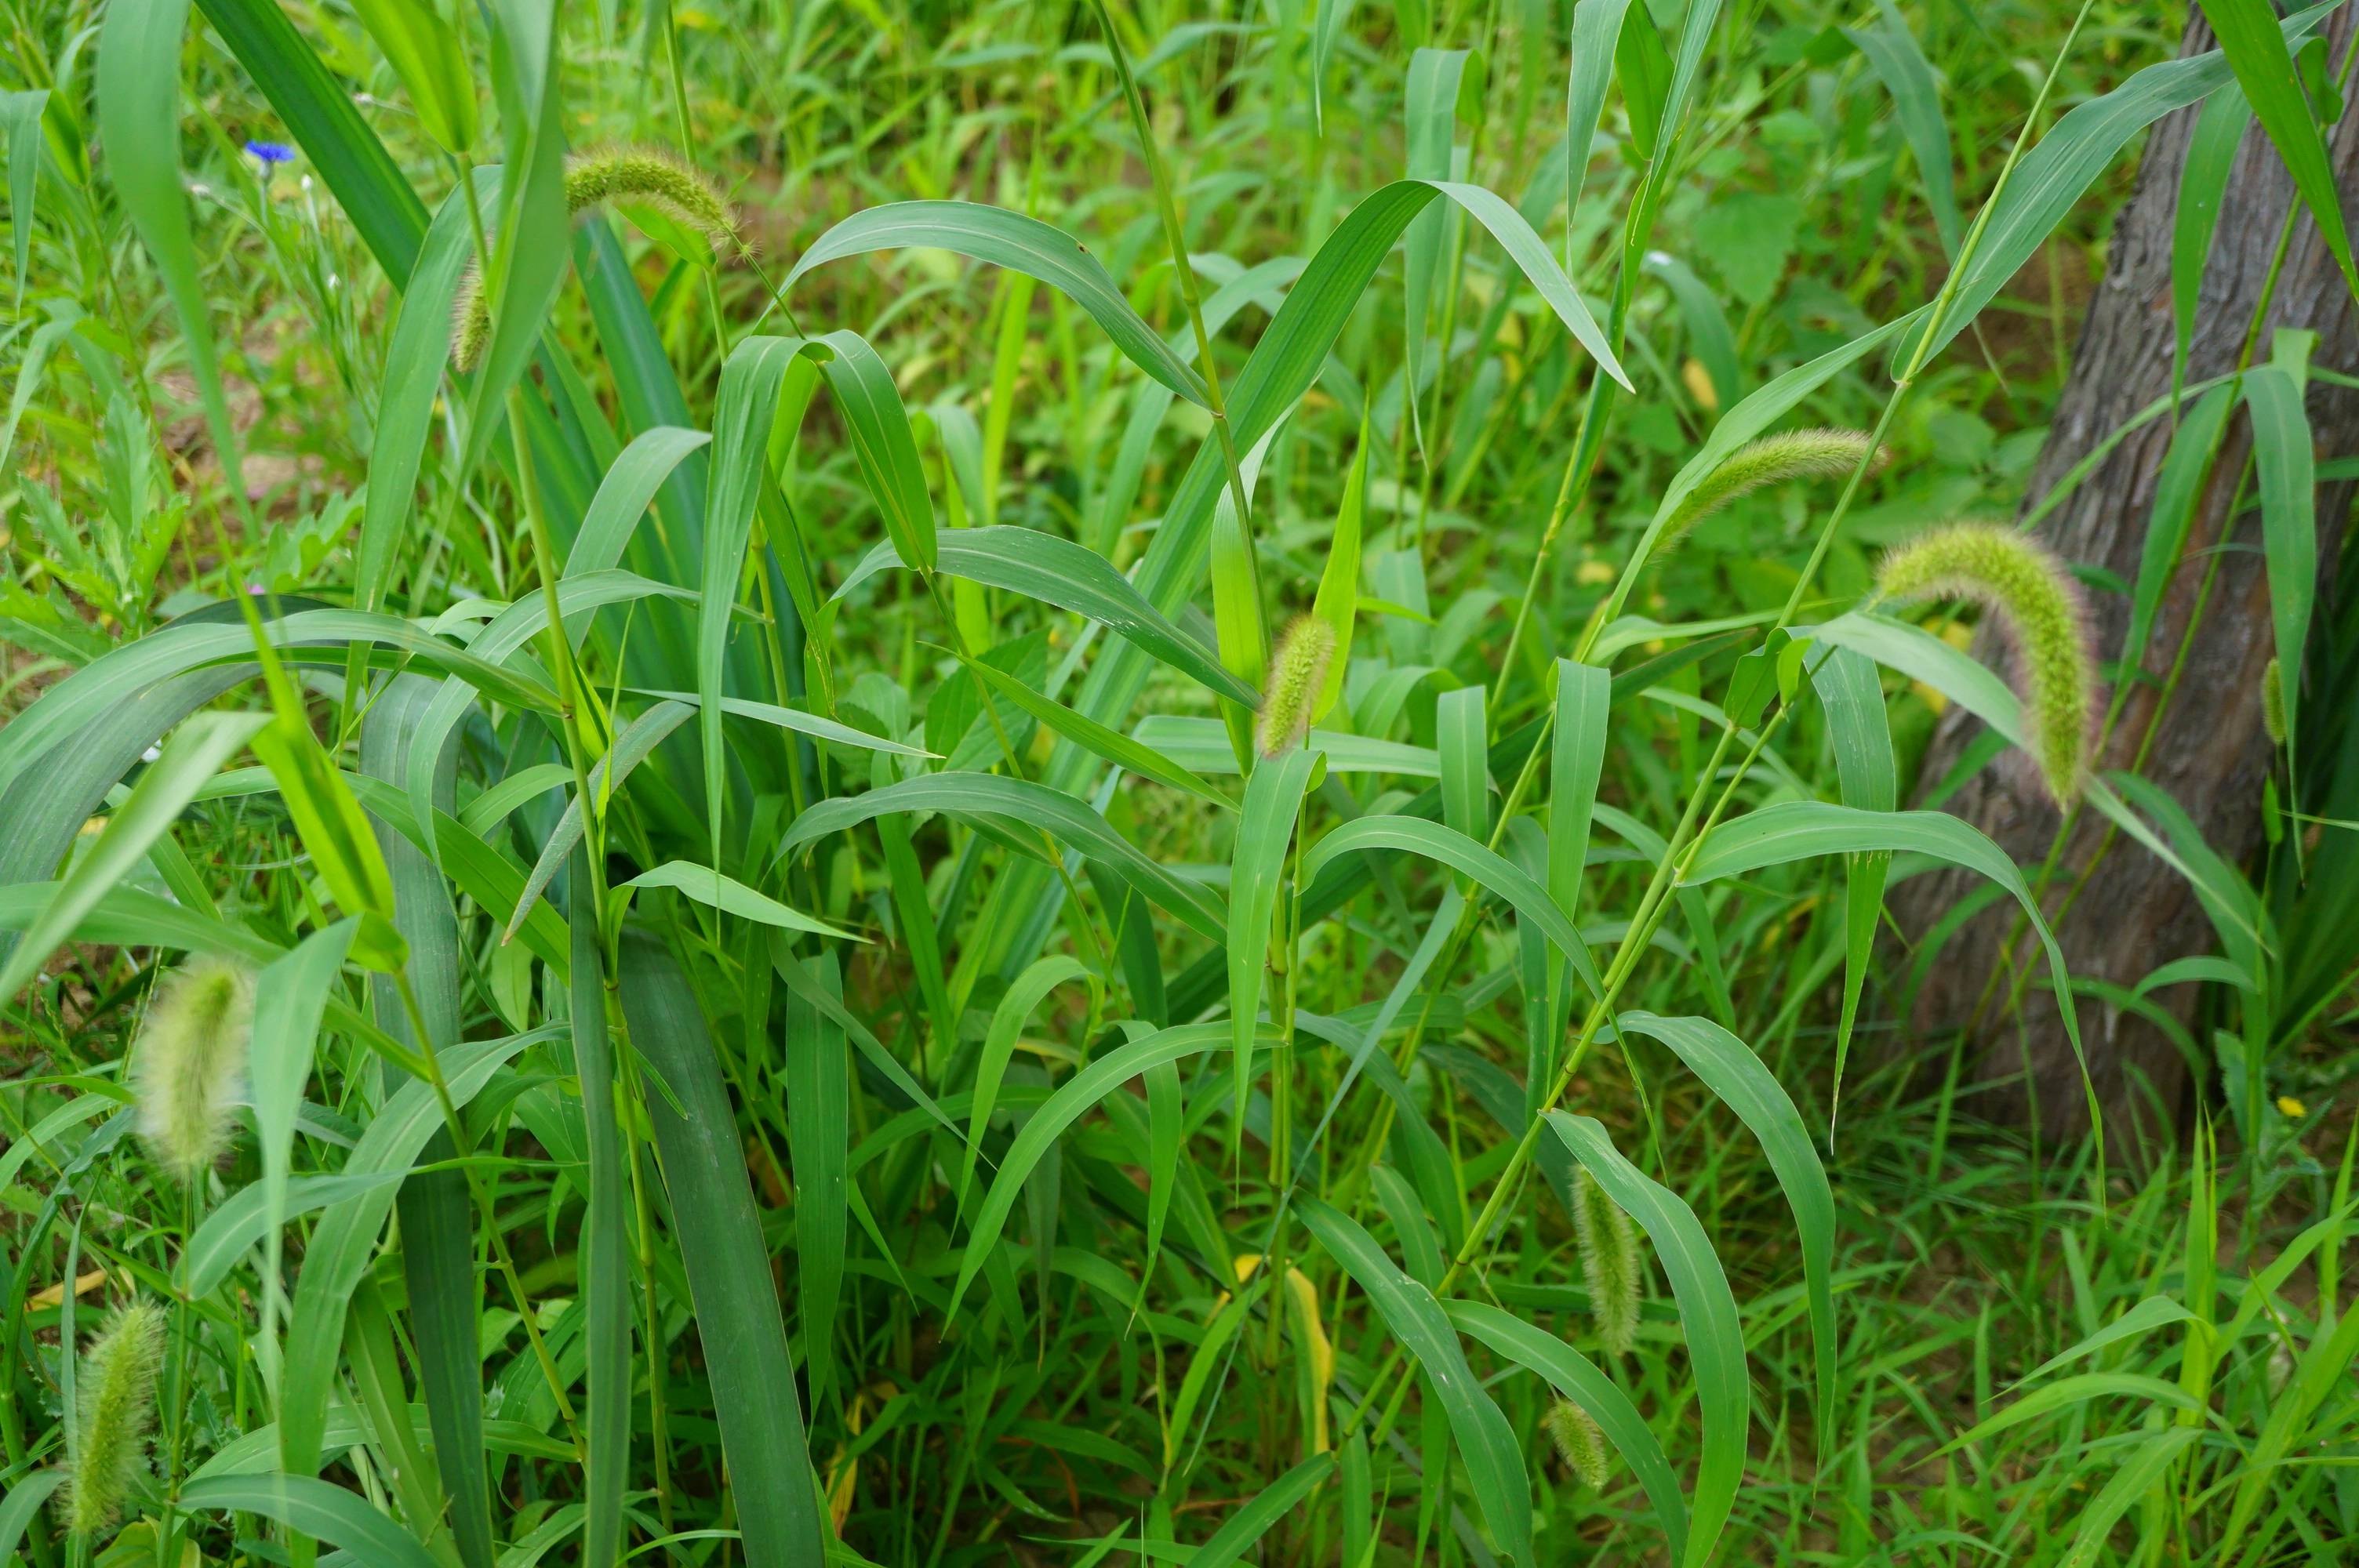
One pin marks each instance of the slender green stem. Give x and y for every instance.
(1184, 271)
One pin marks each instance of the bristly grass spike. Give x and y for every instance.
(1296, 677)
(115, 1389)
(190, 1060)
(2041, 611)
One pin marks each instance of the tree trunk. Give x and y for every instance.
(2131, 912)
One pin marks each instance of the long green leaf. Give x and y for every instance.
(1071, 1100)
(1242, 1528)
(195, 753)
(406, 390)
(819, 1136)
(346, 1236)
(313, 1508)
(2261, 54)
(320, 112)
(1707, 1312)
(139, 121)
(1024, 245)
(731, 896)
(1578, 1380)
(720, 1235)
(1485, 1444)
(1031, 806)
(1489, 869)
(1731, 1071)
(605, 1238)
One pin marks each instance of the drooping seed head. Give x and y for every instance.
(116, 1392)
(650, 177)
(1296, 677)
(471, 321)
(2272, 715)
(646, 175)
(1794, 454)
(2040, 611)
(1578, 1443)
(190, 1060)
(1609, 1263)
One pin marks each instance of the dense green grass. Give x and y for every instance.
(837, 1151)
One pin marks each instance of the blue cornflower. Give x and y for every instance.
(271, 151)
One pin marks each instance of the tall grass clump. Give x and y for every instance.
(689, 916)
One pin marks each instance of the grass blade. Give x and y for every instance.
(2261, 55)
(720, 1235)
(1485, 1444)
(1024, 245)
(1731, 1071)
(1578, 1378)
(1707, 1312)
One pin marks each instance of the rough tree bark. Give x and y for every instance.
(2132, 912)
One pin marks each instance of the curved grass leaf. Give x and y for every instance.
(1804, 829)
(245, 1219)
(1860, 730)
(1485, 1444)
(2074, 1391)
(188, 645)
(631, 481)
(346, 1236)
(1731, 1071)
(289, 998)
(1892, 49)
(314, 1508)
(1024, 245)
(1256, 870)
(1489, 870)
(1057, 571)
(994, 798)
(1025, 993)
(720, 1235)
(2137, 1478)
(1737, 425)
(2055, 174)
(1242, 1528)
(195, 753)
(1707, 1312)
(1127, 752)
(730, 896)
(406, 390)
(1071, 1100)
(1578, 1378)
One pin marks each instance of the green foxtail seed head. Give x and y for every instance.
(2273, 703)
(1296, 677)
(116, 1390)
(191, 1060)
(2040, 611)
(643, 176)
(1609, 1263)
(1796, 454)
(1578, 1443)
